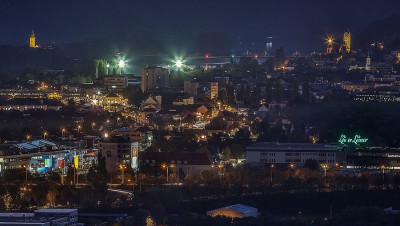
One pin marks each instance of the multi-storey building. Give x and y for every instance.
(190, 87)
(293, 153)
(213, 90)
(115, 83)
(347, 41)
(119, 150)
(154, 78)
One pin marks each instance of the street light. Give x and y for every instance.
(167, 167)
(291, 166)
(26, 173)
(93, 125)
(62, 132)
(44, 135)
(122, 167)
(73, 165)
(325, 166)
(272, 167)
(383, 177)
(28, 137)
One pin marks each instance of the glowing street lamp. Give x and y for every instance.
(44, 135)
(28, 137)
(383, 176)
(73, 166)
(26, 172)
(164, 166)
(79, 128)
(62, 132)
(272, 167)
(325, 167)
(122, 167)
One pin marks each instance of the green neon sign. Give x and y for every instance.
(356, 140)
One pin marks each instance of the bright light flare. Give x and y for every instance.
(329, 40)
(121, 63)
(179, 63)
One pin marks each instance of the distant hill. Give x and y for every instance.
(385, 30)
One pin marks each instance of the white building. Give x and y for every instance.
(293, 153)
(42, 217)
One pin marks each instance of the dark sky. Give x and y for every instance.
(299, 24)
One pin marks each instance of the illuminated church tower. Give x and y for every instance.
(32, 40)
(368, 63)
(347, 41)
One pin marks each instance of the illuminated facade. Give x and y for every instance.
(32, 40)
(213, 90)
(347, 41)
(368, 63)
(119, 150)
(294, 153)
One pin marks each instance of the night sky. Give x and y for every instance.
(297, 24)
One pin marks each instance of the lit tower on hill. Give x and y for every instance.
(32, 40)
(329, 45)
(347, 40)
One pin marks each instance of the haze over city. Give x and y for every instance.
(197, 112)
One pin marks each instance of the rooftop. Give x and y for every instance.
(167, 157)
(239, 208)
(55, 210)
(264, 146)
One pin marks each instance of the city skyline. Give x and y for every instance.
(293, 24)
(200, 112)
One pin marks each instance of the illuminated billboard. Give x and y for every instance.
(357, 140)
(76, 161)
